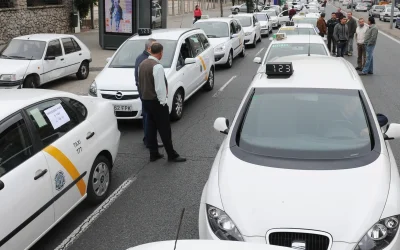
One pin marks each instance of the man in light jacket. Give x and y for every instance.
(370, 41)
(360, 36)
(341, 36)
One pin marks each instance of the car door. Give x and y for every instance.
(72, 55)
(240, 33)
(68, 142)
(190, 71)
(257, 27)
(207, 55)
(282, 18)
(54, 61)
(25, 186)
(201, 66)
(234, 39)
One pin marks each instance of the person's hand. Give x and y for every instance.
(364, 132)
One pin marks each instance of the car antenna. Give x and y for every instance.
(309, 43)
(23, 78)
(179, 227)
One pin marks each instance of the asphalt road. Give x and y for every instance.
(149, 209)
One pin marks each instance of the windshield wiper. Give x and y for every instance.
(4, 56)
(212, 36)
(20, 57)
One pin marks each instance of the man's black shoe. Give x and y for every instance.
(371, 73)
(156, 157)
(358, 68)
(177, 159)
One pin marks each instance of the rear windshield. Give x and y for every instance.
(292, 49)
(298, 31)
(262, 17)
(310, 20)
(214, 29)
(305, 124)
(245, 21)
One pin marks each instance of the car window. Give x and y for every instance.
(233, 28)
(245, 21)
(76, 45)
(195, 45)
(262, 17)
(52, 120)
(23, 49)
(54, 48)
(291, 49)
(77, 106)
(204, 41)
(15, 144)
(271, 13)
(213, 29)
(254, 20)
(309, 124)
(298, 31)
(68, 45)
(237, 26)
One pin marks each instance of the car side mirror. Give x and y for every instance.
(108, 59)
(392, 132)
(257, 60)
(234, 36)
(190, 61)
(50, 58)
(221, 124)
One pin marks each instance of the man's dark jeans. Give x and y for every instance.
(331, 43)
(144, 120)
(341, 48)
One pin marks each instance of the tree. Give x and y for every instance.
(83, 6)
(250, 6)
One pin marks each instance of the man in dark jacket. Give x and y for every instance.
(331, 26)
(292, 12)
(285, 13)
(341, 35)
(139, 60)
(352, 25)
(339, 14)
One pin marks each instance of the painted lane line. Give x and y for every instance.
(259, 52)
(224, 86)
(95, 215)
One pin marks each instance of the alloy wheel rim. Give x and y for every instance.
(211, 78)
(101, 179)
(83, 70)
(230, 59)
(178, 104)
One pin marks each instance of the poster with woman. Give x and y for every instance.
(118, 16)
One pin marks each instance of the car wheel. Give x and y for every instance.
(177, 105)
(229, 62)
(210, 82)
(254, 41)
(83, 71)
(237, 10)
(30, 82)
(243, 53)
(99, 180)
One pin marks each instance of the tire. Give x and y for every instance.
(99, 180)
(83, 71)
(210, 82)
(30, 83)
(254, 41)
(237, 10)
(229, 62)
(177, 105)
(243, 53)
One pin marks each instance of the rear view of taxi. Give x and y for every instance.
(251, 27)
(298, 29)
(56, 150)
(305, 165)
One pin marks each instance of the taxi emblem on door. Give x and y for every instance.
(59, 180)
(299, 245)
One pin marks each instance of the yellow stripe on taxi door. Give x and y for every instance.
(203, 63)
(68, 166)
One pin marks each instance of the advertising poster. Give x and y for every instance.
(118, 16)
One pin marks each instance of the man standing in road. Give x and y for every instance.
(339, 14)
(321, 25)
(139, 60)
(331, 26)
(371, 35)
(153, 88)
(360, 35)
(352, 25)
(341, 36)
(292, 12)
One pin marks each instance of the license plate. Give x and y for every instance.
(124, 108)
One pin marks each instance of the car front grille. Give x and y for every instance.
(123, 114)
(124, 97)
(312, 241)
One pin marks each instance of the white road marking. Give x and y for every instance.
(224, 86)
(259, 52)
(95, 215)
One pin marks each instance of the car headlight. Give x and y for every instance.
(93, 89)
(219, 48)
(222, 225)
(247, 33)
(275, 21)
(380, 235)
(8, 78)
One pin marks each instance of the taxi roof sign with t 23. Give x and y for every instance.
(144, 31)
(279, 69)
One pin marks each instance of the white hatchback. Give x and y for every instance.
(251, 27)
(32, 60)
(265, 23)
(56, 150)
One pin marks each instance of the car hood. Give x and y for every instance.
(10, 66)
(343, 203)
(217, 41)
(273, 17)
(248, 29)
(263, 23)
(118, 79)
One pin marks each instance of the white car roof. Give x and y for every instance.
(206, 244)
(12, 100)
(242, 14)
(165, 34)
(307, 68)
(300, 26)
(215, 19)
(43, 37)
(300, 39)
(308, 15)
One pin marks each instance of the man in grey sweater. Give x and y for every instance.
(370, 41)
(341, 36)
(352, 25)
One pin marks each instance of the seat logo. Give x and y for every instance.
(299, 245)
(119, 95)
(59, 180)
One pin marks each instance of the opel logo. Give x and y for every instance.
(299, 245)
(119, 95)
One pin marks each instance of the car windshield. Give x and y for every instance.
(298, 31)
(310, 20)
(291, 49)
(245, 21)
(271, 13)
(379, 7)
(126, 56)
(305, 124)
(362, 4)
(262, 17)
(23, 50)
(214, 29)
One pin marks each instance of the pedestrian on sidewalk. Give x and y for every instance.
(341, 35)
(360, 36)
(292, 12)
(197, 13)
(352, 25)
(339, 14)
(371, 35)
(331, 26)
(321, 25)
(145, 54)
(153, 88)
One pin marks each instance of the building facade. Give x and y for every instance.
(23, 17)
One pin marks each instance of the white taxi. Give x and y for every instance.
(189, 65)
(311, 18)
(305, 160)
(276, 18)
(251, 27)
(226, 36)
(293, 45)
(56, 150)
(265, 24)
(298, 29)
(32, 60)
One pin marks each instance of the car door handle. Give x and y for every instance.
(90, 135)
(1, 185)
(62, 59)
(40, 174)
(80, 54)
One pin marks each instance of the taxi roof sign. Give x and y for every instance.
(144, 31)
(279, 69)
(279, 36)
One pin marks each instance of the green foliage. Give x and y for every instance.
(250, 6)
(83, 6)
